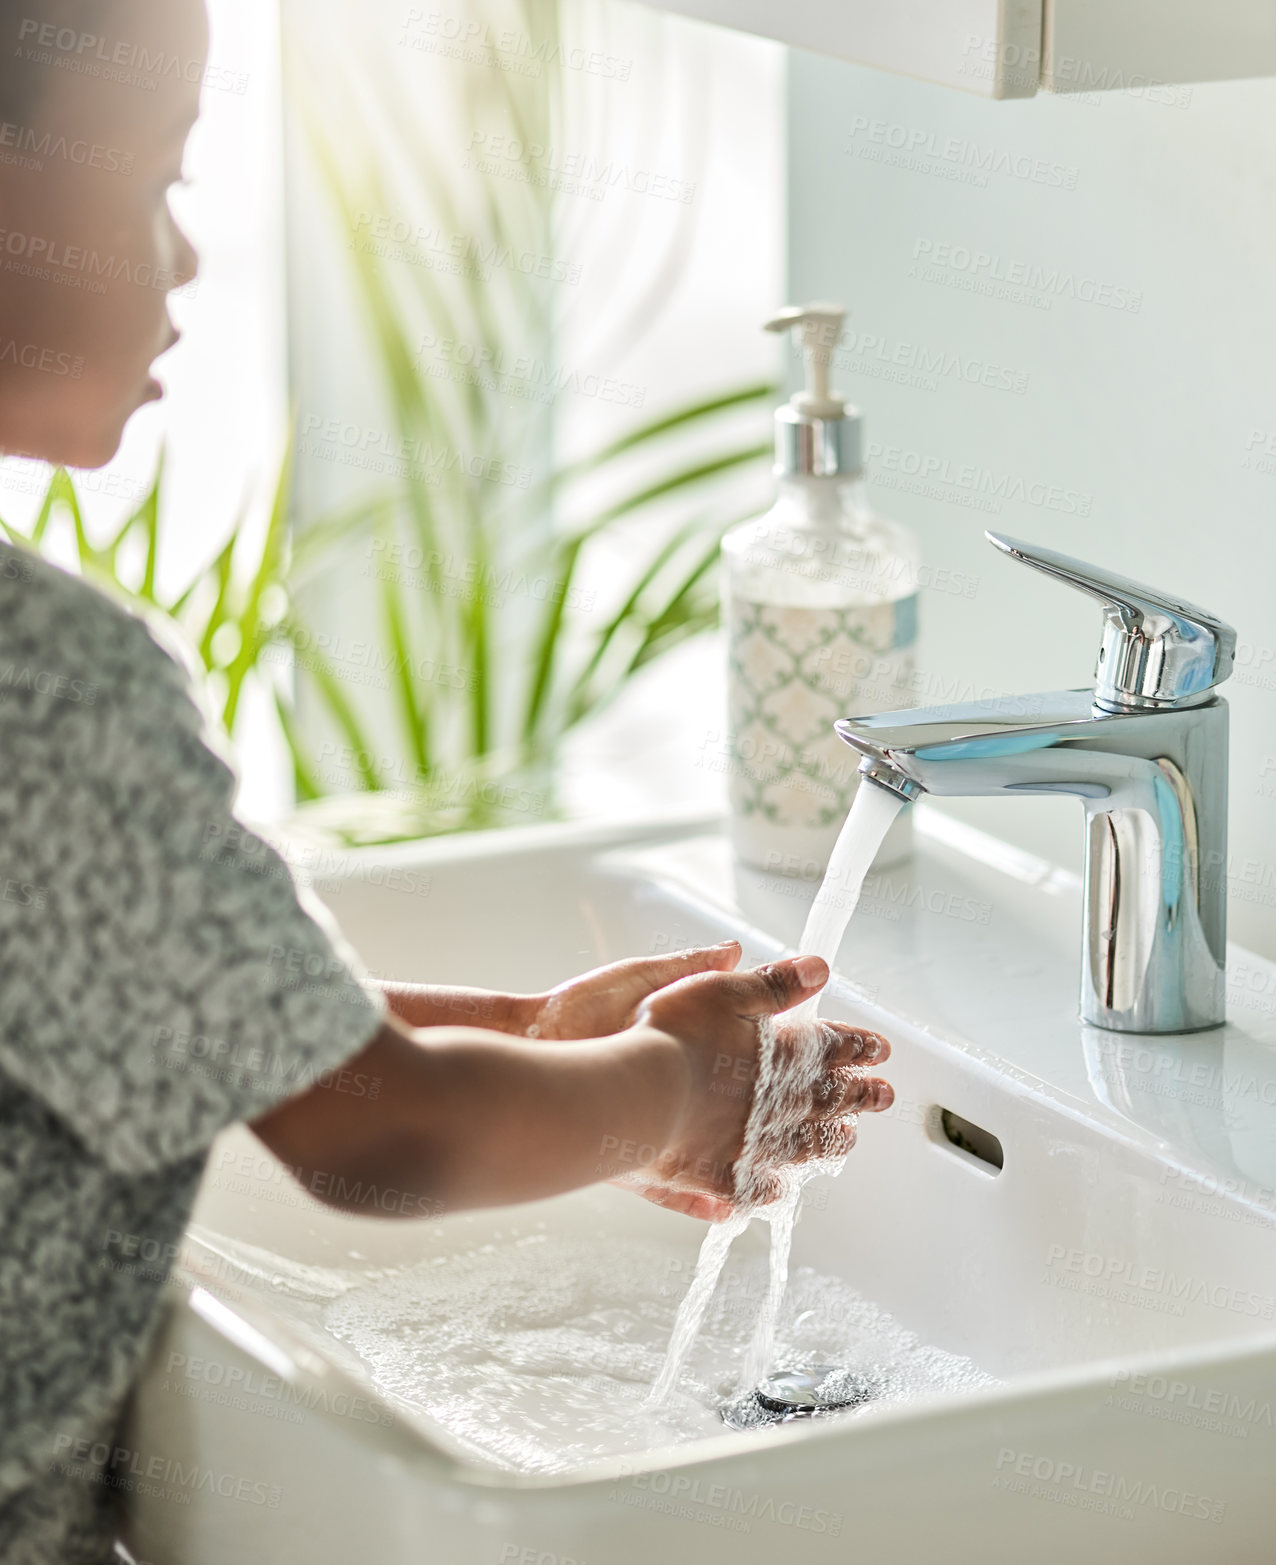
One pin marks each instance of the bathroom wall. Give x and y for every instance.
(1063, 325)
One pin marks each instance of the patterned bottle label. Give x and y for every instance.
(792, 673)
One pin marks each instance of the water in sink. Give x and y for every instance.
(538, 1354)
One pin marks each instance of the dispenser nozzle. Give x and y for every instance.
(821, 327)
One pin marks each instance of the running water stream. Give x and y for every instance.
(781, 1102)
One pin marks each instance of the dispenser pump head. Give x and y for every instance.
(821, 329)
(816, 434)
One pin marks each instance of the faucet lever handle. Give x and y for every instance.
(1158, 651)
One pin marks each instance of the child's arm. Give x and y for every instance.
(466, 1118)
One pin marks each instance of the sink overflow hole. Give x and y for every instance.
(973, 1139)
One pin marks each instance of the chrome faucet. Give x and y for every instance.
(1145, 751)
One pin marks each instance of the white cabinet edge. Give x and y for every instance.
(988, 47)
(1098, 45)
(1006, 48)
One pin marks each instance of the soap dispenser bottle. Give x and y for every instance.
(820, 604)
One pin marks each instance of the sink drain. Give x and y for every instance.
(803, 1393)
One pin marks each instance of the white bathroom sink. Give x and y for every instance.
(1117, 1275)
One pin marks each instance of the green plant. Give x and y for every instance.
(645, 501)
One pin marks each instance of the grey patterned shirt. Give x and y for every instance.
(160, 978)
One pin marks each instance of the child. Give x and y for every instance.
(121, 934)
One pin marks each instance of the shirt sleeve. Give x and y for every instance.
(162, 974)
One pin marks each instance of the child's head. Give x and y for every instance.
(97, 98)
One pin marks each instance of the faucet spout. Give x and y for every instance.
(1153, 787)
(978, 747)
(1145, 751)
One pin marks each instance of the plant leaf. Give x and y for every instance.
(305, 779)
(268, 572)
(691, 415)
(329, 686)
(545, 651)
(629, 608)
(674, 483)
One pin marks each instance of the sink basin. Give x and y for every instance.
(1089, 1218)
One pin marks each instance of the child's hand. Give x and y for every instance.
(606, 1000)
(469, 1117)
(716, 1018)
